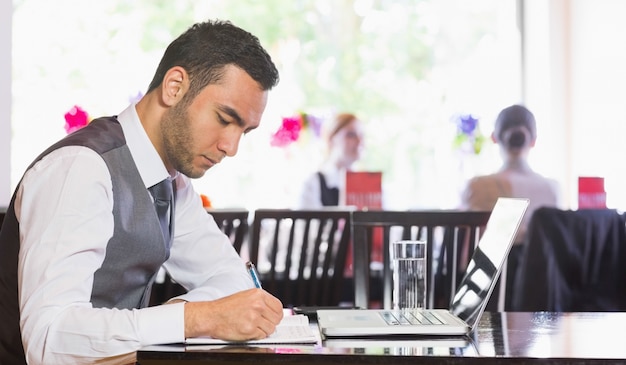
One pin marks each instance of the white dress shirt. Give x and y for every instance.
(64, 206)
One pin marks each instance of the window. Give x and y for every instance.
(405, 67)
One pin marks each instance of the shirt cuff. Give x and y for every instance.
(162, 324)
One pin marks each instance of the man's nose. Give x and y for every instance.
(229, 144)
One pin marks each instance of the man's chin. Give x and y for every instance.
(198, 174)
(195, 173)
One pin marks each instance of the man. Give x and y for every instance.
(87, 229)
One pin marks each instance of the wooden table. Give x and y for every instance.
(502, 338)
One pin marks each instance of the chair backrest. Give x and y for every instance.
(451, 236)
(234, 223)
(301, 254)
(574, 261)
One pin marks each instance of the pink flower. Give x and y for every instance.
(288, 132)
(75, 119)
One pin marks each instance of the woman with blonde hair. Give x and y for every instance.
(344, 140)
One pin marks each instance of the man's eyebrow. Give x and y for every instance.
(233, 114)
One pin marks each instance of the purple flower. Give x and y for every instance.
(467, 124)
(468, 137)
(314, 124)
(135, 98)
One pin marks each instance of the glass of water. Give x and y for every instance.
(409, 274)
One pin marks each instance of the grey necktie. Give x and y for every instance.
(163, 194)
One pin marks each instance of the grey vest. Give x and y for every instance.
(133, 255)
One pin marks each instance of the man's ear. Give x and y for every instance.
(175, 85)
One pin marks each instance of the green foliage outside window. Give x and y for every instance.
(401, 66)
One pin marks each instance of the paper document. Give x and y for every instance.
(292, 329)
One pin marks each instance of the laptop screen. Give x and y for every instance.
(484, 268)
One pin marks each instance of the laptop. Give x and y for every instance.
(426, 345)
(468, 303)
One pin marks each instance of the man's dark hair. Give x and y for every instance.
(206, 48)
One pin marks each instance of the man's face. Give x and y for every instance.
(199, 135)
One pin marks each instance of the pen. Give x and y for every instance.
(255, 274)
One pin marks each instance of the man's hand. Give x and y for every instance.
(250, 314)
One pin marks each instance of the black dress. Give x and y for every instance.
(330, 196)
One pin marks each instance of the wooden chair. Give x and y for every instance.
(301, 254)
(234, 223)
(451, 236)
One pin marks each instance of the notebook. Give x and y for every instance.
(468, 303)
(292, 329)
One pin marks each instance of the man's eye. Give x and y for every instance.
(222, 120)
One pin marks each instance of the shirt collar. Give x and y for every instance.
(149, 163)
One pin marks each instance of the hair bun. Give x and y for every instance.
(515, 117)
(516, 139)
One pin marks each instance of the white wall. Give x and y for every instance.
(574, 84)
(546, 94)
(598, 95)
(6, 12)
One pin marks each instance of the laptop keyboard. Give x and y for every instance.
(407, 318)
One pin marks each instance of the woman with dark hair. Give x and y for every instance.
(515, 132)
